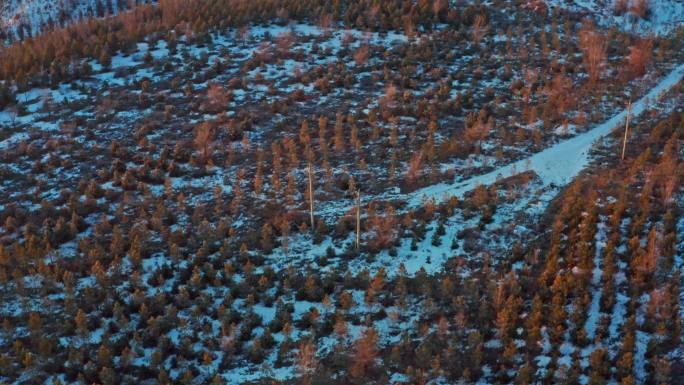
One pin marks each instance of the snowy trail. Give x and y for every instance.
(558, 164)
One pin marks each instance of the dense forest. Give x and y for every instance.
(342, 192)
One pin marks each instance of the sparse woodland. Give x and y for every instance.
(183, 184)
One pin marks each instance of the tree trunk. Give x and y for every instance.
(311, 201)
(358, 219)
(624, 141)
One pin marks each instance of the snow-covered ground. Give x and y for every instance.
(37, 14)
(558, 164)
(555, 166)
(664, 16)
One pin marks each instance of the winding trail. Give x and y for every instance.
(558, 164)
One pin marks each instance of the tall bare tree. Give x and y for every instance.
(593, 46)
(624, 140)
(311, 196)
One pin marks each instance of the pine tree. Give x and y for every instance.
(339, 133)
(307, 363)
(81, 322)
(365, 353)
